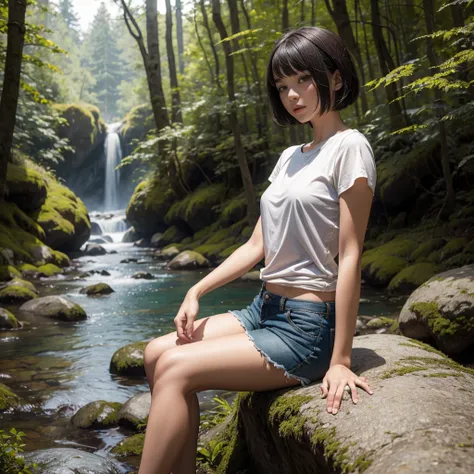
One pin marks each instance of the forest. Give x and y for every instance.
(133, 156)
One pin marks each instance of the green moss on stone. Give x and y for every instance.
(234, 210)
(7, 398)
(424, 250)
(220, 236)
(12, 216)
(7, 273)
(27, 267)
(11, 323)
(131, 446)
(61, 259)
(26, 182)
(97, 289)
(98, 414)
(229, 251)
(49, 270)
(212, 251)
(421, 345)
(16, 295)
(453, 247)
(285, 412)
(413, 276)
(129, 359)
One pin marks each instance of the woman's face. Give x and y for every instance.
(299, 95)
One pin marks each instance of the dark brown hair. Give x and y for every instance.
(320, 52)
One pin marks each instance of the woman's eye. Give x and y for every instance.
(303, 78)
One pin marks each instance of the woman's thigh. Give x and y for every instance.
(210, 327)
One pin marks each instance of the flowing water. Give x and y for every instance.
(59, 367)
(113, 154)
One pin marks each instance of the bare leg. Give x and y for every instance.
(207, 328)
(192, 368)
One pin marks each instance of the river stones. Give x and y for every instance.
(16, 294)
(71, 461)
(142, 276)
(135, 411)
(18, 282)
(130, 236)
(188, 260)
(7, 273)
(442, 311)
(251, 276)
(94, 249)
(166, 254)
(128, 360)
(143, 243)
(54, 307)
(129, 260)
(95, 228)
(417, 421)
(8, 399)
(131, 446)
(8, 320)
(97, 415)
(97, 290)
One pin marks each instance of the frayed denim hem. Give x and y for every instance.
(304, 382)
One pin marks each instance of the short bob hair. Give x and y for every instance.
(320, 52)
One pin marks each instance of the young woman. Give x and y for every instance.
(316, 207)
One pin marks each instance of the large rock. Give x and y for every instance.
(95, 228)
(94, 249)
(130, 235)
(442, 311)
(128, 360)
(415, 422)
(135, 411)
(26, 186)
(71, 461)
(54, 307)
(97, 289)
(8, 400)
(97, 415)
(8, 320)
(172, 235)
(166, 254)
(16, 295)
(188, 260)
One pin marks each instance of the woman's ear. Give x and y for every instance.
(336, 80)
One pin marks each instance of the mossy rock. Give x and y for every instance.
(137, 123)
(8, 399)
(380, 322)
(188, 260)
(383, 269)
(55, 307)
(21, 283)
(26, 267)
(64, 218)
(16, 295)
(61, 259)
(8, 320)
(148, 205)
(198, 209)
(453, 247)
(12, 216)
(172, 235)
(97, 415)
(212, 251)
(49, 270)
(458, 260)
(128, 360)
(23, 244)
(131, 446)
(233, 210)
(424, 250)
(206, 232)
(413, 276)
(26, 186)
(229, 251)
(97, 290)
(7, 273)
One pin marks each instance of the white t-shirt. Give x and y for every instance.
(300, 209)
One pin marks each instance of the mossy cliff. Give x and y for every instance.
(289, 431)
(40, 219)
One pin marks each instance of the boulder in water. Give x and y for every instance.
(129, 260)
(18, 282)
(128, 360)
(251, 276)
(131, 446)
(130, 236)
(7, 320)
(108, 239)
(16, 295)
(96, 229)
(188, 260)
(442, 311)
(135, 411)
(142, 243)
(97, 415)
(97, 289)
(71, 461)
(143, 276)
(8, 399)
(166, 254)
(54, 307)
(94, 249)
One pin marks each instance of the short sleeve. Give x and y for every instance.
(276, 169)
(355, 159)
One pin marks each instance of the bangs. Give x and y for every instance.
(287, 61)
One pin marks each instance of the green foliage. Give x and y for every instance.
(11, 446)
(216, 415)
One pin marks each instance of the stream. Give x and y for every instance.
(60, 367)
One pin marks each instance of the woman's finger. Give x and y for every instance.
(331, 397)
(353, 391)
(364, 385)
(338, 397)
(324, 388)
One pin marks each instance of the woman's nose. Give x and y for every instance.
(292, 93)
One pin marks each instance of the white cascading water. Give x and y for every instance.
(113, 154)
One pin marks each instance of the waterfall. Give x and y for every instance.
(113, 154)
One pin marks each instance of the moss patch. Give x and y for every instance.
(7, 398)
(413, 276)
(49, 270)
(7, 273)
(128, 360)
(132, 446)
(97, 289)
(96, 415)
(16, 295)
(8, 320)
(424, 250)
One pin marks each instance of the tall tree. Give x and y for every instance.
(66, 9)
(249, 191)
(176, 115)
(179, 35)
(104, 62)
(11, 84)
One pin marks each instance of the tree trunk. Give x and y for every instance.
(386, 64)
(449, 202)
(179, 35)
(176, 115)
(11, 84)
(249, 191)
(340, 16)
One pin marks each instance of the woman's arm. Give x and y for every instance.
(355, 204)
(238, 263)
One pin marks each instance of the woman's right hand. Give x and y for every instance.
(184, 320)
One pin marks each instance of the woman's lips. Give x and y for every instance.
(300, 109)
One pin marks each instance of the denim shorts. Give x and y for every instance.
(294, 335)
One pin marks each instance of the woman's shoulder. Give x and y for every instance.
(353, 137)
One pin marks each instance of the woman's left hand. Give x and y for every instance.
(334, 382)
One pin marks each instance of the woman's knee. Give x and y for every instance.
(171, 367)
(153, 350)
